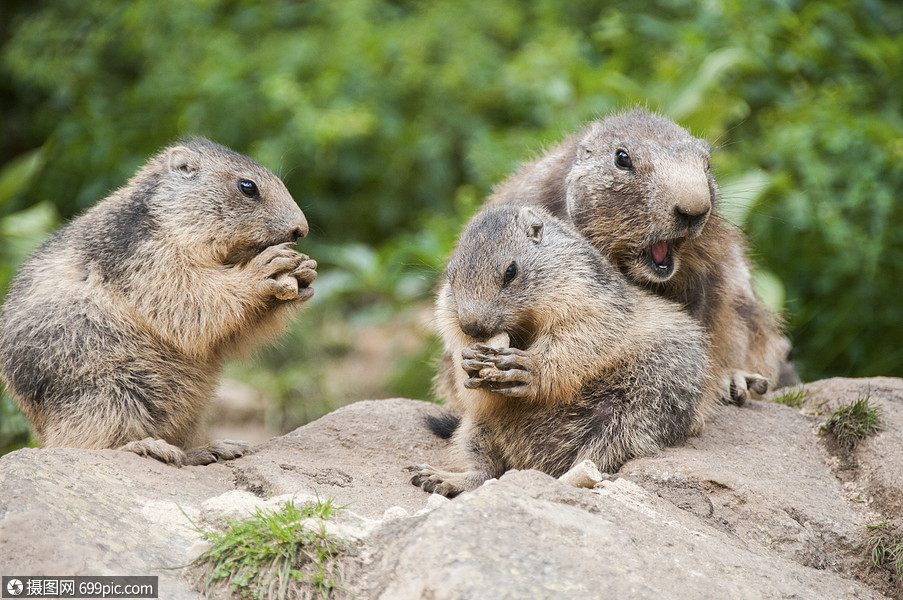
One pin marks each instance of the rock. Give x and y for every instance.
(436, 500)
(768, 475)
(106, 512)
(584, 474)
(874, 470)
(760, 505)
(395, 512)
(356, 453)
(101, 512)
(530, 536)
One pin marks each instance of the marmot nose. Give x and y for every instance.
(476, 330)
(690, 218)
(299, 226)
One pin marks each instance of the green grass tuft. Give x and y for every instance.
(851, 423)
(885, 546)
(260, 556)
(795, 397)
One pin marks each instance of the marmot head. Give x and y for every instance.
(221, 205)
(515, 268)
(639, 188)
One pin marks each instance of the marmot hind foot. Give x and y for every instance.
(217, 451)
(743, 385)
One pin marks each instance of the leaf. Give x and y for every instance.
(713, 68)
(740, 194)
(21, 232)
(769, 288)
(17, 173)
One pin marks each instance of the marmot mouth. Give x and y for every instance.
(245, 253)
(659, 257)
(276, 241)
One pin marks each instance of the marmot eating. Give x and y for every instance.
(114, 331)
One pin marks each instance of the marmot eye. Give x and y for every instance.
(622, 160)
(249, 188)
(510, 274)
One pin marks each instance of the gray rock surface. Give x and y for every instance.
(760, 505)
(530, 536)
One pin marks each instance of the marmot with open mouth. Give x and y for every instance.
(640, 188)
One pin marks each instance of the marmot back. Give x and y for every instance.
(114, 331)
(640, 188)
(586, 365)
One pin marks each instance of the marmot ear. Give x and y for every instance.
(184, 161)
(534, 223)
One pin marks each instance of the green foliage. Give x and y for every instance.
(390, 121)
(885, 546)
(794, 396)
(851, 423)
(414, 102)
(261, 556)
(14, 430)
(407, 380)
(828, 223)
(20, 234)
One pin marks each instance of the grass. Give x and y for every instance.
(851, 423)
(885, 546)
(261, 556)
(795, 397)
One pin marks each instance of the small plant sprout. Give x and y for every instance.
(795, 396)
(260, 556)
(885, 546)
(851, 423)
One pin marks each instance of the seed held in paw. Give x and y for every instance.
(288, 287)
(499, 341)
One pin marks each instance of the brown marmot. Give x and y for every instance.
(594, 368)
(640, 188)
(114, 331)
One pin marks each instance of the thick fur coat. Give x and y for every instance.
(595, 367)
(114, 331)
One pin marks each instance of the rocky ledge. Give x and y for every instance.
(763, 504)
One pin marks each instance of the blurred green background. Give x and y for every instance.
(390, 121)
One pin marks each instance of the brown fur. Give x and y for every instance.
(114, 331)
(596, 367)
(667, 194)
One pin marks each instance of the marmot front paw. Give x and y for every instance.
(505, 371)
(305, 274)
(285, 273)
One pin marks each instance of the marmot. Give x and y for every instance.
(594, 368)
(114, 331)
(640, 188)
